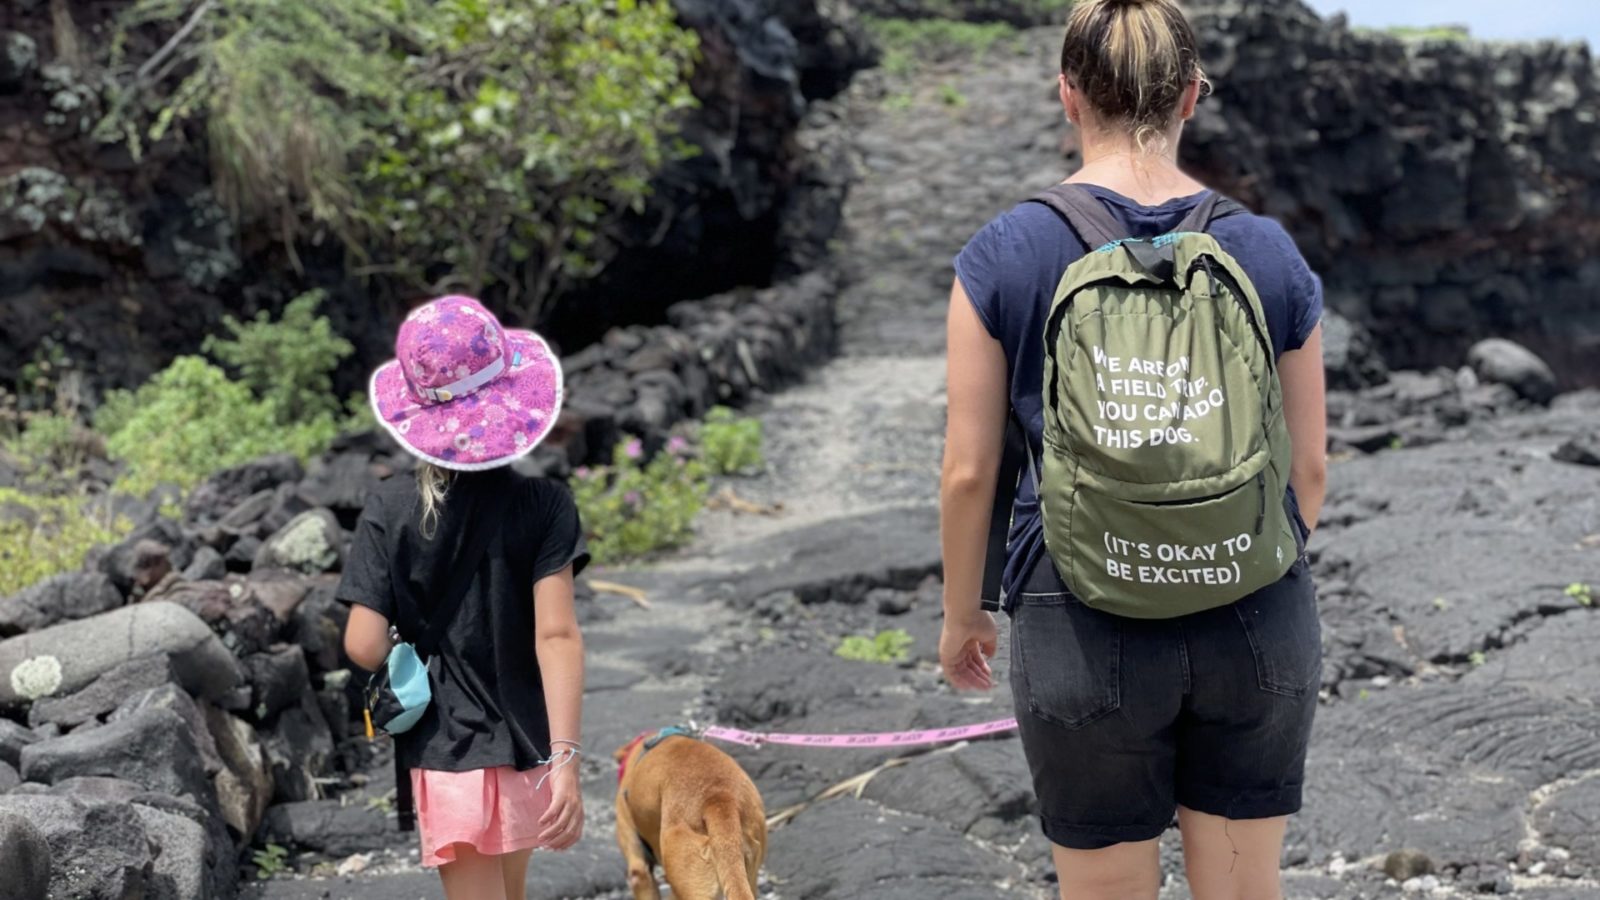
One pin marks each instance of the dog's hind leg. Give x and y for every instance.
(641, 874)
(686, 859)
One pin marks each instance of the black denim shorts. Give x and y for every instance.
(1124, 719)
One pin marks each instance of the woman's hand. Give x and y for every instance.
(562, 824)
(965, 646)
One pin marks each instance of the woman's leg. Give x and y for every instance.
(1122, 872)
(514, 869)
(473, 876)
(1232, 859)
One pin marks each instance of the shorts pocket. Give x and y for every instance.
(1285, 633)
(1068, 658)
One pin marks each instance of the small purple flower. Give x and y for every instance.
(631, 498)
(678, 445)
(635, 449)
(583, 473)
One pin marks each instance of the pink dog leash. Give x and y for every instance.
(865, 739)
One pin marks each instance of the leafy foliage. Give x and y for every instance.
(41, 536)
(448, 143)
(191, 420)
(288, 363)
(1582, 593)
(270, 861)
(730, 443)
(908, 44)
(891, 646)
(632, 507)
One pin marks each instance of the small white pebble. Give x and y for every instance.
(1430, 883)
(1557, 854)
(1536, 869)
(1411, 885)
(1382, 681)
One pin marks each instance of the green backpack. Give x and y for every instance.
(1166, 452)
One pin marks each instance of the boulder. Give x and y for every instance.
(153, 748)
(279, 594)
(190, 864)
(9, 777)
(324, 826)
(65, 658)
(139, 561)
(300, 746)
(278, 679)
(104, 694)
(1499, 361)
(341, 482)
(74, 595)
(312, 542)
(244, 786)
(1580, 451)
(13, 738)
(207, 565)
(219, 494)
(318, 626)
(231, 608)
(24, 858)
(170, 696)
(242, 555)
(106, 844)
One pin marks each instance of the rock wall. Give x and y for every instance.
(1445, 190)
(123, 265)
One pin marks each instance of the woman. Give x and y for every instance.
(1197, 715)
(492, 759)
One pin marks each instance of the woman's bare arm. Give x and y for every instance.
(974, 437)
(1305, 404)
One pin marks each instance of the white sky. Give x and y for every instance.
(1489, 19)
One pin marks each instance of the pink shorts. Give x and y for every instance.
(494, 811)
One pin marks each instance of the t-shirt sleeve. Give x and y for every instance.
(366, 568)
(1304, 294)
(562, 543)
(982, 266)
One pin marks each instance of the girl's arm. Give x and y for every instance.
(366, 637)
(1305, 405)
(559, 648)
(975, 432)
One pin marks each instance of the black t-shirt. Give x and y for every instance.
(488, 698)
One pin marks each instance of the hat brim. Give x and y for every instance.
(497, 424)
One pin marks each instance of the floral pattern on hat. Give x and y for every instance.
(442, 398)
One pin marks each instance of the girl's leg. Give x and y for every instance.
(473, 876)
(1232, 859)
(1123, 872)
(514, 869)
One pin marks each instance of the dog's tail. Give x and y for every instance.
(731, 855)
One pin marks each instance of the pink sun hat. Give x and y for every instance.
(463, 392)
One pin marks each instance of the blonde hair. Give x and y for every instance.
(432, 483)
(1132, 60)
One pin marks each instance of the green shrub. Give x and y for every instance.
(41, 536)
(632, 508)
(448, 143)
(1429, 32)
(910, 43)
(54, 445)
(891, 646)
(288, 363)
(191, 420)
(1582, 593)
(270, 861)
(730, 443)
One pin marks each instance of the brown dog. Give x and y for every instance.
(688, 805)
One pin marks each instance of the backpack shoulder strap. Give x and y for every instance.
(1083, 213)
(1207, 211)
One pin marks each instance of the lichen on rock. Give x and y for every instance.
(35, 677)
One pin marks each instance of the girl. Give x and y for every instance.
(1126, 721)
(491, 761)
